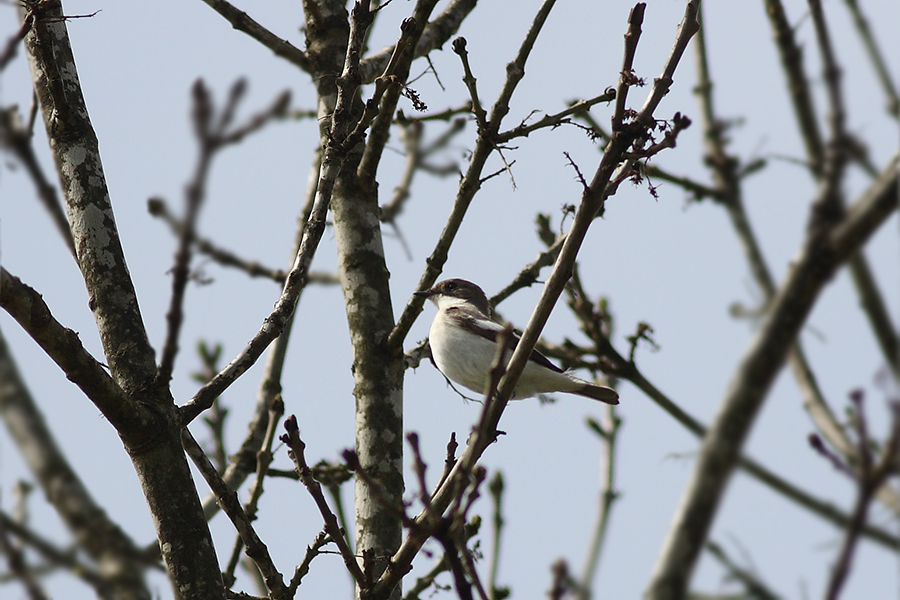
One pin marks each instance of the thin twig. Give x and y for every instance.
(496, 487)
(312, 551)
(876, 57)
(18, 138)
(870, 478)
(436, 33)
(244, 461)
(264, 459)
(297, 447)
(471, 180)
(614, 364)
(343, 135)
(459, 47)
(486, 430)
(755, 588)
(212, 138)
(555, 120)
(158, 208)
(608, 435)
(19, 567)
(12, 44)
(797, 84)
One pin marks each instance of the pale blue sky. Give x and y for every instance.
(674, 265)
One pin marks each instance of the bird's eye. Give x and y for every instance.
(451, 285)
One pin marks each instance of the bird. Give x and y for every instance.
(463, 338)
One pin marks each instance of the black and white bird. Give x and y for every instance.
(463, 340)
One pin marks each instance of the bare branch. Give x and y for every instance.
(297, 448)
(94, 532)
(608, 495)
(871, 477)
(435, 35)
(344, 134)
(754, 587)
(228, 500)
(878, 62)
(99, 250)
(821, 255)
(557, 119)
(485, 432)
(797, 83)
(471, 181)
(19, 567)
(63, 346)
(12, 44)
(18, 139)
(244, 461)
(459, 47)
(243, 22)
(212, 138)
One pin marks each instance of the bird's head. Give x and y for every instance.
(457, 292)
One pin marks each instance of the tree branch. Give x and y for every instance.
(485, 432)
(471, 181)
(244, 461)
(436, 33)
(62, 345)
(99, 251)
(243, 22)
(875, 56)
(820, 257)
(297, 447)
(153, 443)
(95, 533)
(229, 502)
(19, 140)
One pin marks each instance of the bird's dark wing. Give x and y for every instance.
(490, 330)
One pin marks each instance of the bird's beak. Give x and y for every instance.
(425, 294)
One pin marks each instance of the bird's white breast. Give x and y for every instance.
(462, 356)
(466, 358)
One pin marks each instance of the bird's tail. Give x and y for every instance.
(599, 392)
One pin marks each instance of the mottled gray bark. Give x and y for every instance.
(146, 418)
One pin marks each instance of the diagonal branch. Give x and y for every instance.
(229, 502)
(805, 115)
(244, 460)
(62, 345)
(485, 431)
(212, 138)
(243, 22)
(344, 134)
(297, 448)
(151, 436)
(877, 59)
(820, 257)
(19, 140)
(797, 84)
(726, 175)
(121, 563)
(435, 35)
(471, 181)
(557, 119)
(99, 252)
(594, 196)
(19, 567)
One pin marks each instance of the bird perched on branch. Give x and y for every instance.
(463, 340)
